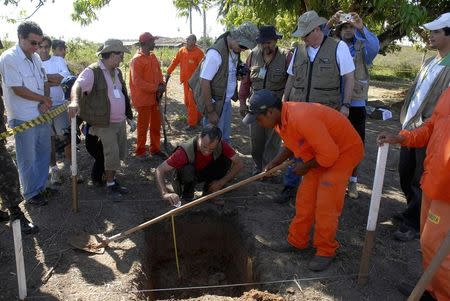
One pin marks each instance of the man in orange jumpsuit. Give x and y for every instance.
(435, 211)
(146, 88)
(330, 148)
(188, 58)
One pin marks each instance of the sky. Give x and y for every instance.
(121, 19)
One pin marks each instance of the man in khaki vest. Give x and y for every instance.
(432, 80)
(101, 96)
(214, 83)
(268, 65)
(205, 158)
(316, 71)
(364, 47)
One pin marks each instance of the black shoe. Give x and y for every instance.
(160, 154)
(406, 233)
(286, 195)
(190, 128)
(116, 189)
(48, 192)
(406, 289)
(28, 227)
(4, 216)
(320, 263)
(37, 200)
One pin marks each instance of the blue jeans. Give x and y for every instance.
(290, 178)
(33, 149)
(224, 123)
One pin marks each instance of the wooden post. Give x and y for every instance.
(74, 167)
(20, 264)
(432, 268)
(373, 213)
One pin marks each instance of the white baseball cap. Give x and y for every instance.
(441, 22)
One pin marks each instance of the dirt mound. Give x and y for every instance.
(255, 295)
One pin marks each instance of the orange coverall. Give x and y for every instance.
(314, 131)
(435, 183)
(145, 77)
(188, 61)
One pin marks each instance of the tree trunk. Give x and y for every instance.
(190, 19)
(204, 23)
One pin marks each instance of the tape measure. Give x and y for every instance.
(46, 117)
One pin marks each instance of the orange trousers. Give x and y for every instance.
(148, 117)
(191, 107)
(434, 225)
(319, 201)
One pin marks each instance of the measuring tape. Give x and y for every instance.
(46, 117)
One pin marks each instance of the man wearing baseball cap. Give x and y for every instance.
(214, 83)
(100, 94)
(268, 64)
(432, 79)
(146, 88)
(330, 148)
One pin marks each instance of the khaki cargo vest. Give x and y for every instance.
(275, 77)
(361, 88)
(318, 81)
(440, 84)
(218, 83)
(190, 147)
(95, 107)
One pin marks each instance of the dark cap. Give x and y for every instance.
(267, 33)
(259, 102)
(146, 36)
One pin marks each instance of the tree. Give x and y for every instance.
(390, 19)
(185, 8)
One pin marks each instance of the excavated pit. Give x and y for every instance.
(211, 250)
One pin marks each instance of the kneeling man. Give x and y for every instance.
(205, 158)
(330, 148)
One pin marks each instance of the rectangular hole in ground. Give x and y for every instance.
(211, 252)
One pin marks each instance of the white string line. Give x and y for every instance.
(295, 281)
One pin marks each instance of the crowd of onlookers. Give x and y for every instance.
(306, 104)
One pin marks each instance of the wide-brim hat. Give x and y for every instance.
(307, 22)
(267, 33)
(113, 45)
(245, 34)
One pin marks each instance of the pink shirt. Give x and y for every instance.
(116, 98)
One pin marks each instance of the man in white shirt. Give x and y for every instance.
(23, 92)
(56, 69)
(432, 80)
(322, 71)
(215, 81)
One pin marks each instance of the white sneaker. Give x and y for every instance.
(352, 190)
(55, 177)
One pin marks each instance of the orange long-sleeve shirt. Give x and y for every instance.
(145, 77)
(312, 130)
(435, 134)
(188, 61)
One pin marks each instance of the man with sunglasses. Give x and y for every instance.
(25, 99)
(100, 95)
(214, 83)
(205, 158)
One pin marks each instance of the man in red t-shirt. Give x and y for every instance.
(204, 158)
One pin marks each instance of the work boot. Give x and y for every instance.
(116, 189)
(160, 154)
(406, 233)
(286, 195)
(4, 216)
(320, 263)
(406, 289)
(26, 226)
(37, 200)
(352, 190)
(55, 176)
(190, 128)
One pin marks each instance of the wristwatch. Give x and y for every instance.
(347, 105)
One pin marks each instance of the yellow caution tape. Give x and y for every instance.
(46, 117)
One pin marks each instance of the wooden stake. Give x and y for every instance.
(20, 264)
(432, 268)
(373, 213)
(74, 167)
(175, 246)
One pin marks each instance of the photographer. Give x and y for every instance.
(214, 83)
(268, 65)
(363, 46)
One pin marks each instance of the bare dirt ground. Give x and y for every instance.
(216, 245)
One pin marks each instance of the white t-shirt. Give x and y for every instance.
(211, 65)
(343, 57)
(56, 65)
(427, 76)
(19, 71)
